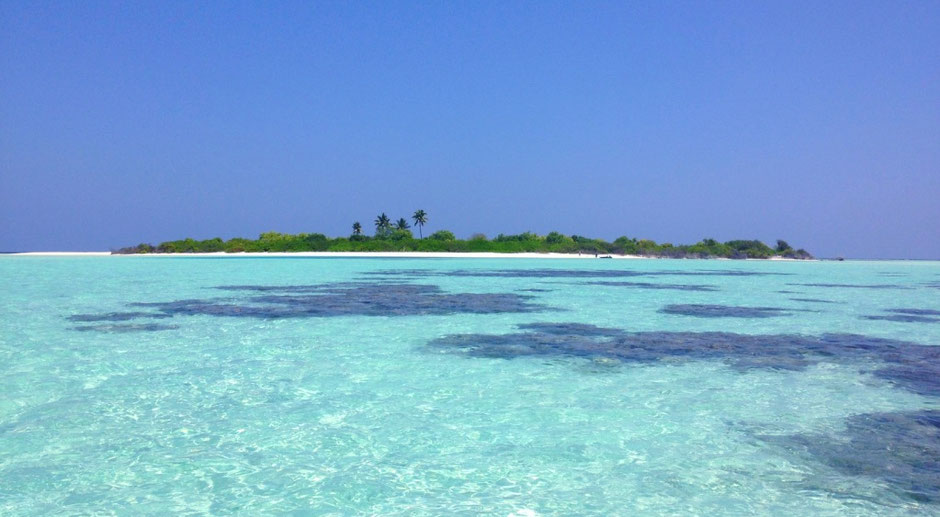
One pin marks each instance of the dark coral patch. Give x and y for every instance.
(908, 316)
(311, 288)
(273, 288)
(650, 285)
(572, 329)
(120, 328)
(723, 311)
(910, 374)
(905, 318)
(908, 365)
(901, 449)
(561, 273)
(346, 299)
(916, 312)
(856, 286)
(117, 316)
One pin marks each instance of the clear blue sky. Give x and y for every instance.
(817, 122)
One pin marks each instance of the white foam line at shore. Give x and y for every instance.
(58, 254)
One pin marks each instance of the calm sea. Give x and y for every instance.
(308, 386)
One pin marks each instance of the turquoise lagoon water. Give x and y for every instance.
(373, 396)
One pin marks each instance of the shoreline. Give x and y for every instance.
(373, 254)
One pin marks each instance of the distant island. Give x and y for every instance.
(397, 237)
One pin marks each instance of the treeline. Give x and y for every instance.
(401, 239)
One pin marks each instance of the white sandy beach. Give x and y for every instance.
(360, 254)
(351, 254)
(59, 254)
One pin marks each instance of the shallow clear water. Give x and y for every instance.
(386, 399)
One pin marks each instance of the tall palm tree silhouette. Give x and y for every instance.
(420, 217)
(382, 225)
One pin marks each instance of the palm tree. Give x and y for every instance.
(420, 217)
(382, 225)
(357, 228)
(402, 224)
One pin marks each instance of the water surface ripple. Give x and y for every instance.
(142, 386)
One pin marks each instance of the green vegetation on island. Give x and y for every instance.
(397, 236)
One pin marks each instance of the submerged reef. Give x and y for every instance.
(117, 316)
(910, 366)
(650, 285)
(724, 311)
(335, 299)
(899, 448)
(563, 273)
(905, 318)
(856, 286)
(120, 328)
(908, 316)
(916, 312)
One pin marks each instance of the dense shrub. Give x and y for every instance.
(400, 234)
(750, 249)
(443, 235)
(445, 241)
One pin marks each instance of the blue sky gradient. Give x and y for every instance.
(817, 122)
